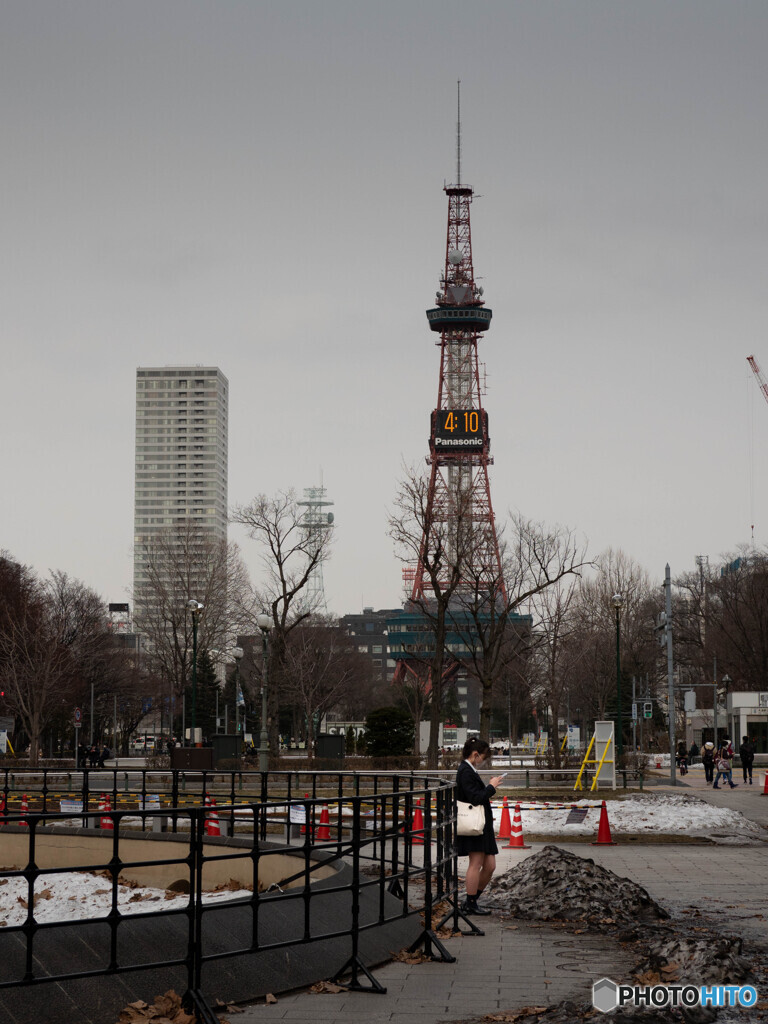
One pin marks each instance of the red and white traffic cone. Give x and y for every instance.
(417, 826)
(24, 810)
(505, 827)
(516, 833)
(324, 828)
(212, 827)
(2, 808)
(604, 829)
(102, 808)
(765, 785)
(106, 820)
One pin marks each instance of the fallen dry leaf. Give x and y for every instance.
(649, 978)
(407, 956)
(327, 987)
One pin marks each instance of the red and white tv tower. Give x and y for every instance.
(459, 443)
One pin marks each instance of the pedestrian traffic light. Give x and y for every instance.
(648, 709)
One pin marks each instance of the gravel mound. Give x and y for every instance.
(555, 885)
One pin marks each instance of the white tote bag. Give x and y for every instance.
(470, 819)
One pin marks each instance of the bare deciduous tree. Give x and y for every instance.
(322, 667)
(181, 564)
(533, 560)
(289, 555)
(595, 676)
(442, 542)
(52, 635)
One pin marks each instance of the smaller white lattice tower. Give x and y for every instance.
(316, 521)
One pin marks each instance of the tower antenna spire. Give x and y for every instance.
(458, 132)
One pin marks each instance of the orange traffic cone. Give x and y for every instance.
(324, 828)
(417, 826)
(505, 828)
(2, 808)
(24, 810)
(604, 829)
(102, 808)
(106, 821)
(212, 827)
(516, 833)
(765, 785)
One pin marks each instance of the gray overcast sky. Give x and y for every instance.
(258, 186)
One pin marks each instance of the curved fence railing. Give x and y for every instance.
(393, 834)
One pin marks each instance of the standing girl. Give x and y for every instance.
(482, 849)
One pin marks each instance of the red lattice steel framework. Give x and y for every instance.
(459, 492)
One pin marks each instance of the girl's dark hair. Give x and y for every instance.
(473, 744)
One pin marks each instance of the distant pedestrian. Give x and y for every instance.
(693, 752)
(747, 755)
(105, 753)
(723, 764)
(708, 760)
(482, 849)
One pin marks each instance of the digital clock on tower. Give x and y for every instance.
(459, 430)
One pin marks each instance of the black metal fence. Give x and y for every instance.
(394, 835)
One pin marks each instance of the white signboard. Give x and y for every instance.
(3, 741)
(297, 814)
(604, 745)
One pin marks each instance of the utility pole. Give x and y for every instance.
(670, 675)
(714, 702)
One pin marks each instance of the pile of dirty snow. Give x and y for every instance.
(557, 885)
(670, 814)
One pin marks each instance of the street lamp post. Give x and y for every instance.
(195, 608)
(264, 622)
(237, 654)
(726, 680)
(618, 601)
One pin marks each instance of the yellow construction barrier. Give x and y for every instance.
(587, 760)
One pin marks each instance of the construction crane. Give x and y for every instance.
(762, 382)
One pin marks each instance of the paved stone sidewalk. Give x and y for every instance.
(509, 968)
(513, 964)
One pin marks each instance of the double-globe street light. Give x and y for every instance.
(195, 608)
(618, 601)
(264, 622)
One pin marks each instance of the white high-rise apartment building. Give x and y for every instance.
(181, 457)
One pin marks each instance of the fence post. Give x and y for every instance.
(433, 947)
(355, 965)
(194, 1000)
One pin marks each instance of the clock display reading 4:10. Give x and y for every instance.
(460, 429)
